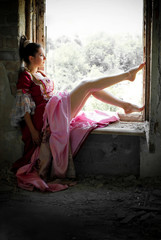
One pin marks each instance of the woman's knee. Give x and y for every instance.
(87, 85)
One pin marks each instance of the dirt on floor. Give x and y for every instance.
(96, 208)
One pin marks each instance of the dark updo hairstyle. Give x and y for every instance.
(29, 50)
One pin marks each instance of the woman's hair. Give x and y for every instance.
(27, 49)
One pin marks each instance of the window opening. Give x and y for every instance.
(87, 39)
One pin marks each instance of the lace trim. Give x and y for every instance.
(23, 103)
(45, 84)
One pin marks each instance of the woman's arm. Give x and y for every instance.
(34, 133)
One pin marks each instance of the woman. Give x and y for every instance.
(38, 108)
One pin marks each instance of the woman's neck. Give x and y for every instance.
(31, 69)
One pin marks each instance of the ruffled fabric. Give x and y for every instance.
(23, 104)
(57, 115)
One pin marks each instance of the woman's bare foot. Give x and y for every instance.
(132, 73)
(130, 108)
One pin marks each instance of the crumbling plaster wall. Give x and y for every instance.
(150, 163)
(12, 25)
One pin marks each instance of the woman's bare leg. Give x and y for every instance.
(80, 94)
(107, 97)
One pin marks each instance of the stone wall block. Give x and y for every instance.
(11, 42)
(2, 19)
(6, 99)
(9, 56)
(12, 65)
(10, 139)
(9, 31)
(12, 19)
(13, 76)
(108, 156)
(1, 43)
(16, 55)
(4, 55)
(8, 7)
(13, 89)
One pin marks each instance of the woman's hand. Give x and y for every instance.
(36, 138)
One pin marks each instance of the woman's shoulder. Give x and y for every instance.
(25, 74)
(24, 79)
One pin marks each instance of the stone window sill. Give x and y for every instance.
(123, 128)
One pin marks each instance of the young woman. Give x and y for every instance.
(48, 117)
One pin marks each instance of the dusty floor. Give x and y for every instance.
(96, 209)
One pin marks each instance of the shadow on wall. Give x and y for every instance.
(11, 146)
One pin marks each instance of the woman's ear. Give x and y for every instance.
(31, 58)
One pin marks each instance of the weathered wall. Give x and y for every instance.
(10, 143)
(109, 155)
(150, 164)
(9, 39)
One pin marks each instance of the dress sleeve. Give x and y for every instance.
(23, 102)
(24, 82)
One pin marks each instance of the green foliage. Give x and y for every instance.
(70, 60)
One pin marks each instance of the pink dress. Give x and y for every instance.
(61, 130)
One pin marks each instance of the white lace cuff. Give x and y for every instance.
(23, 103)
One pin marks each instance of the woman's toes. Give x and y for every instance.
(141, 108)
(133, 72)
(130, 108)
(141, 66)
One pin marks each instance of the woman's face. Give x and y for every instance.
(39, 58)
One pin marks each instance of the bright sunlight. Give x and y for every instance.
(87, 39)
